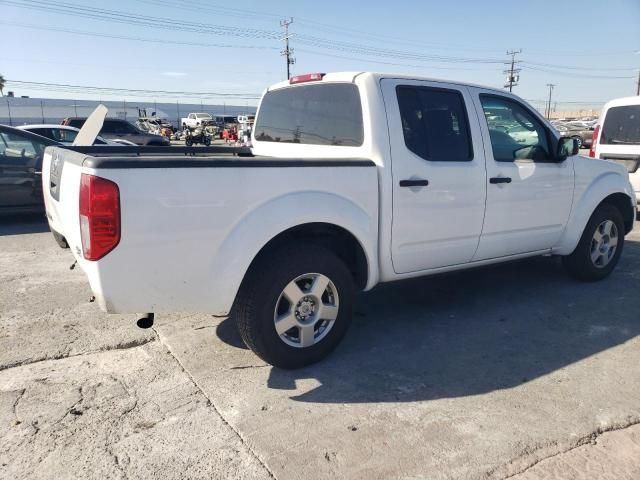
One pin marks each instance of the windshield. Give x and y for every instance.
(622, 126)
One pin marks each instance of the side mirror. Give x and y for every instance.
(567, 147)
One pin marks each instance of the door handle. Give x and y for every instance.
(414, 183)
(500, 180)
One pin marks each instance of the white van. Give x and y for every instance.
(617, 136)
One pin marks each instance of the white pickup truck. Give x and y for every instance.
(356, 179)
(194, 120)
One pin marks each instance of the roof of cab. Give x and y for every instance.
(619, 102)
(351, 76)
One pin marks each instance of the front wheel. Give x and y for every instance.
(600, 246)
(295, 305)
(188, 141)
(579, 141)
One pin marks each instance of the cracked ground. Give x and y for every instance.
(514, 371)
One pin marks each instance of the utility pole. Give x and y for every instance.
(513, 74)
(548, 115)
(638, 84)
(287, 52)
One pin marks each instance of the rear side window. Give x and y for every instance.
(621, 126)
(327, 114)
(434, 123)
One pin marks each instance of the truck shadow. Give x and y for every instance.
(23, 223)
(474, 332)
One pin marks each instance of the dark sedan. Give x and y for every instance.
(582, 134)
(21, 155)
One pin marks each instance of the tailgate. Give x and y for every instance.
(61, 171)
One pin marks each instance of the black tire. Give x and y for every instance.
(579, 140)
(259, 294)
(188, 142)
(207, 141)
(580, 264)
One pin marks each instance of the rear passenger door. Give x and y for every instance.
(529, 193)
(438, 170)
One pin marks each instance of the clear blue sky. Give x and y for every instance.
(579, 45)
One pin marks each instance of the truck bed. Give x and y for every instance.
(184, 230)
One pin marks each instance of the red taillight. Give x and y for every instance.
(309, 77)
(99, 216)
(594, 140)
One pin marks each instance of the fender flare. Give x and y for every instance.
(258, 227)
(603, 186)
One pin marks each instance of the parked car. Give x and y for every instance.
(61, 133)
(194, 120)
(115, 128)
(338, 198)
(582, 135)
(20, 170)
(616, 136)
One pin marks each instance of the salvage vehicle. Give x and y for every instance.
(356, 179)
(616, 136)
(61, 133)
(21, 154)
(194, 120)
(197, 135)
(118, 129)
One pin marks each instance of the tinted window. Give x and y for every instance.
(328, 114)
(622, 126)
(514, 131)
(434, 123)
(43, 132)
(117, 127)
(75, 122)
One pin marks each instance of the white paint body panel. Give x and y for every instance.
(189, 234)
(602, 149)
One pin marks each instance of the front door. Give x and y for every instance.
(438, 171)
(529, 193)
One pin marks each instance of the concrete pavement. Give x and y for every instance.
(508, 371)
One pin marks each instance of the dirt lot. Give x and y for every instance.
(509, 371)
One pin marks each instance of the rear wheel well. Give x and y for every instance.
(623, 203)
(336, 239)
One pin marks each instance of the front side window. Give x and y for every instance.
(18, 150)
(514, 131)
(621, 126)
(434, 123)
(323, 114)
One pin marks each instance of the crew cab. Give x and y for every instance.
(355, 179)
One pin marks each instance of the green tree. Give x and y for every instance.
(1, 86)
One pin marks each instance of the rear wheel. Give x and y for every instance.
(295, 305)
(600, 246)
(188, 142)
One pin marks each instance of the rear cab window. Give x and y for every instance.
(324, 114)
(621, 126)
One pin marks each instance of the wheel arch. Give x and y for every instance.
(322, 218)
(608, 188)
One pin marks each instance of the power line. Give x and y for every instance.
(548, 109)
(513, 73)
(62, 87)
(287, 52)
